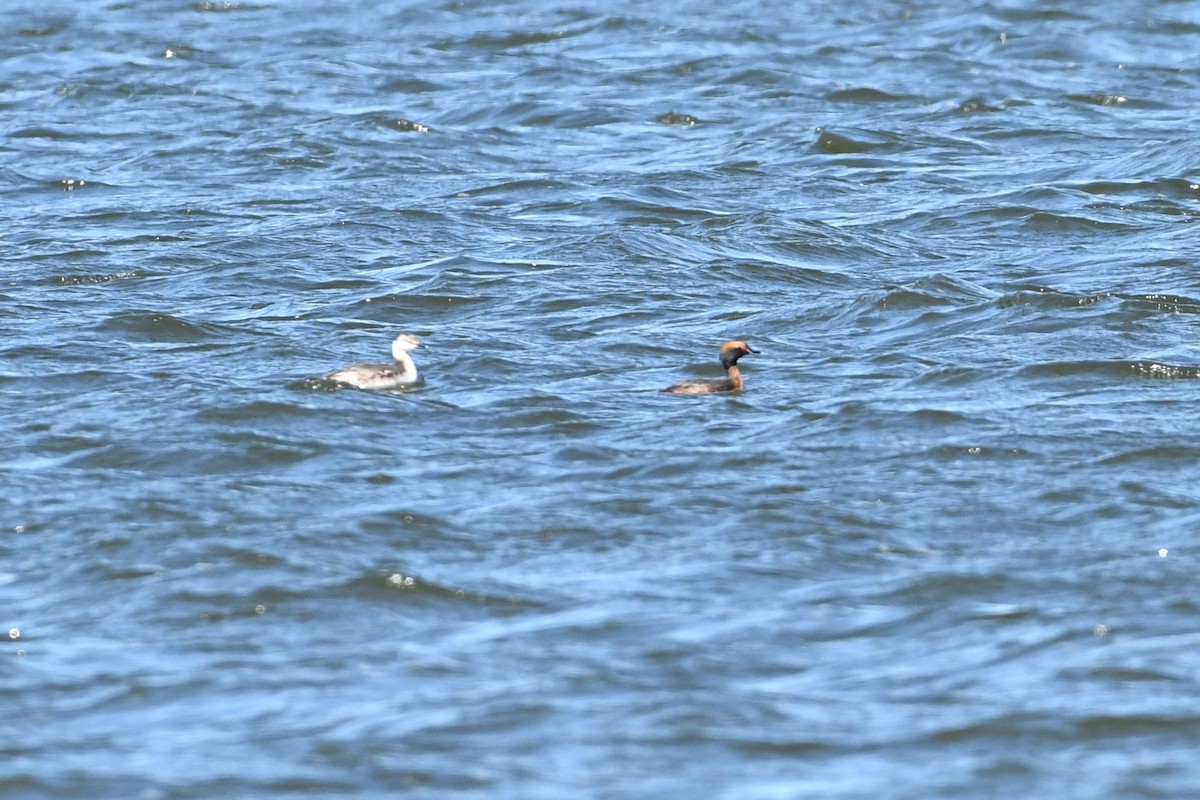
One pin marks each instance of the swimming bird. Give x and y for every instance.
(383, 376)
(732, 382)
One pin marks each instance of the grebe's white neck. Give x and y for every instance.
(406, 366)
(404, 344)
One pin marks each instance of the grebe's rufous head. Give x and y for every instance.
(732, 351)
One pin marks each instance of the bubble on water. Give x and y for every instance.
(14, 633)
(1162, 552)
(260, 609)
(1101, 630)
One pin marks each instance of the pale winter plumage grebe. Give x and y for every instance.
(383, 376)
(732, 382)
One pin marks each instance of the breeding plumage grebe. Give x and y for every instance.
(383, 376)
(732, 382)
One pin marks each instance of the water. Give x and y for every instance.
(944, 545)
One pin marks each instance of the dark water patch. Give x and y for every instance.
(1123, 726)
(517, 188)
(1051, 298)
(416, 590)
(83, 280)
(532, 114)
(541, 414)
(869, 421)
(1122, 674)
(769, 83)
(1047, 221)
(42, 133)
(1044, 297)
(261, 411)
(228, 453)
(775, 747)
(1173, 187)
(146, 239)
(1161, 455)
(1166, 208)
(937, 417)
(186, 52)
(521, 40)
(1040, 13)
(1040, 135)
(953, 376)
(337, 284)
(788, 271)
(659, 205)
(908, 300)
(412, 522)
(1116, 369)
(116, 224)
(932, 292)
(47, 25)
(869, 95)
(391, 307)
(1151, 496)
(855, 250)
(831, 143)
(135, 573)
(955, 452)
(702, 66)
(225, 6)
(151, 326)
(410, 85)
(1162, 302)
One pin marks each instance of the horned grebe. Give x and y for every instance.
(383, 376)
(732, 382)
